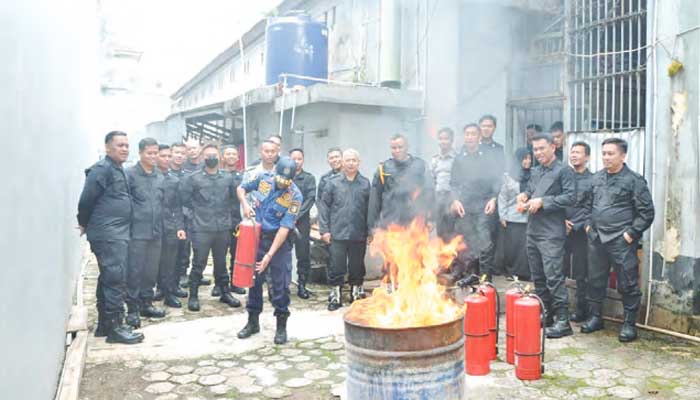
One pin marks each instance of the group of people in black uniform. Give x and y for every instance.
(529, 215)
(536, 217)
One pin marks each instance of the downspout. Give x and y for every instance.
(654, 135)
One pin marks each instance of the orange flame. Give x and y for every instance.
(413, 261)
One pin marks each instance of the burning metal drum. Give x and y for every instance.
(424, 362)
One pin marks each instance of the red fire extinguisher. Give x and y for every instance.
(529, 337)
(246, 251)
(491, 294)
(512, 294)
(476, 332)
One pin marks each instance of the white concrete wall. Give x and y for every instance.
(49, 86)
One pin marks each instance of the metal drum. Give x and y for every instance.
(425, 363)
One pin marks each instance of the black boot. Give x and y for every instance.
(227, 298)
(132, 316)
(281, 331)
(561, 326)
(184, 282)
(628, 332)
(101, 330)
(237, 290)
(334, 300)
(357, 292)
(216, 291)
(120, 333)
(595, 320)
(178, 292)
(251, 328)
(149, 311)
(171, 300)
(193, 301)
(580, 315)
(301, 290)
(158, 296)
(204, 282)
(548, 317)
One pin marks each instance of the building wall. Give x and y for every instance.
(49, 86)
(676, 189)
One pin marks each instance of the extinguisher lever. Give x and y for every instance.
(471, 280)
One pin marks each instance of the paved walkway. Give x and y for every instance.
(197, 356)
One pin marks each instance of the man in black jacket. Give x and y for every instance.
(576, 247)
(146, 234)
(620, 210)
(550, 190)
(335, 161)
(209, 194)
(475, 182)
(173, 230)
(104, 213)
(343, 224)
(402, 189)
(307, 186)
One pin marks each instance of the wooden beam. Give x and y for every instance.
(69, 386)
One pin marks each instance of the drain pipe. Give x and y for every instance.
(654, 137)
(679, 335)
(244, 100)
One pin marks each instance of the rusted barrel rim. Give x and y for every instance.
(405, 354)
(414, 339)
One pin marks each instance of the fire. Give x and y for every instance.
(412, 260)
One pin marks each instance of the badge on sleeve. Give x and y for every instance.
(294, 208)
(264, 187)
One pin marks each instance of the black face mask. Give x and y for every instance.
(211, 162)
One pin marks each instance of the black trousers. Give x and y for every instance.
(142, 272)
(232, 245)
(111, 283)
(302, 249)
(445, 223)
(167, 275)
(545, 256)
(623, 257)
(280, 272)
(576, 265)
(202, 244)
(477, 229)
(512, 250)
(348, 257)
(184, 252)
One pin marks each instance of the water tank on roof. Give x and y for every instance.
(298, 45)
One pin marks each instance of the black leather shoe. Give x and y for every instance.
(193, 301)
(251, 328)
(179, 293)
(561, 326)
(149, 311)
(120, 333)
(216, 291)
(133, 320)
(227, 298)
(281, 331)
(628, 332)
(237, 290)
(171, 300)
(302, 292)
(592, 324)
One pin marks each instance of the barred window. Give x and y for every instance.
(607, 68)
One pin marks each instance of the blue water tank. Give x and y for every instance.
(298, 45)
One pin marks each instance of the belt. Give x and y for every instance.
(268, 234)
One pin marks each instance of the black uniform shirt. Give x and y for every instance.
(401, 191)
(146, 202)
(322, 182)
(188, 167)
(344, 210)
(620, 203)
(104, 209)
(173, 218)
(307, 186)
(209, 196)
(476, 178)
(579, 212)
(557, 187)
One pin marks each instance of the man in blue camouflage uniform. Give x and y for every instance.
(276, 201)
